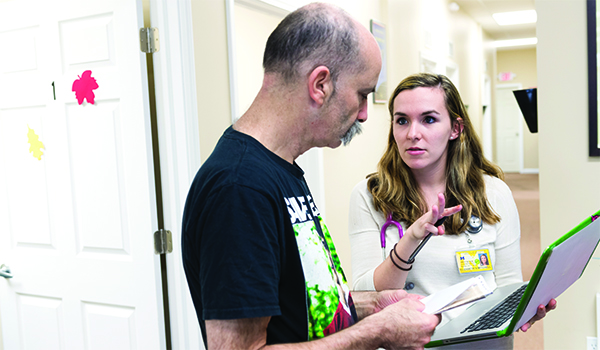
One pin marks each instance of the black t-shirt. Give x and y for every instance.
(254, 245)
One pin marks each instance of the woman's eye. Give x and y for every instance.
(429, 120)
(401, 121)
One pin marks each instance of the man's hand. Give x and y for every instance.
(397, 317)
(386, 298)
(541, 313)
(406, 326)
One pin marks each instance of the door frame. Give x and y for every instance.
(179, 151)
(279, 8)
(513, 86)
(486, 121)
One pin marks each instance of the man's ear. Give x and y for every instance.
(320, 86)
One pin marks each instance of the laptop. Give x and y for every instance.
(509, 307)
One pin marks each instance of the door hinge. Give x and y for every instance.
(149, 40)
(163, 242)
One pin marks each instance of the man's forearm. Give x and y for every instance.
(366, 303)
(363, 335)
(389, 319)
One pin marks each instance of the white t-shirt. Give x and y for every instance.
(435, 266)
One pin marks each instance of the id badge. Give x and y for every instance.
(473, 260)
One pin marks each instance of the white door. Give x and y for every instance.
(77, 199)
(509, 129)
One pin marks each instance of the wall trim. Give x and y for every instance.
(179, 150)
(530, 171)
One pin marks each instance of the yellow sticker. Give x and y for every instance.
(474, 260)
(36, 145)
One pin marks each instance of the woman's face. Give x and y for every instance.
(484, 259)
(422, 129)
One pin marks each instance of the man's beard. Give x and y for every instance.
(354, 130)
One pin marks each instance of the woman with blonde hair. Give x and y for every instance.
(434, 158)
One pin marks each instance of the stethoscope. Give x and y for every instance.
(474, 225)
(389, 222)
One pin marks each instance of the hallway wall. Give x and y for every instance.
(569, 186)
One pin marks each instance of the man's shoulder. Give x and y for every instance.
(239, 160)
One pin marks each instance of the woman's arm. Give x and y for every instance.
(369, 264)
(392, 272)
(380, 273)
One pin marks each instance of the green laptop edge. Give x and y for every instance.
(535, 278)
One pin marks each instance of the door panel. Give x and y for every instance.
(76, 182)
(509, 134)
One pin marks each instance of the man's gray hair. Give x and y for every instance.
(314, 35)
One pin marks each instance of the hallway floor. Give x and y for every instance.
(525, 189)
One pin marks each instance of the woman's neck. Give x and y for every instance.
(431, 182)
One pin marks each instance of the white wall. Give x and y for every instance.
(569, 179)
(212, 72)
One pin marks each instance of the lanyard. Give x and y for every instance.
(338, 281)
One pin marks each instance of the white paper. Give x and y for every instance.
(438, 301)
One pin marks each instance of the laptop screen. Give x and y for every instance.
(565, 261)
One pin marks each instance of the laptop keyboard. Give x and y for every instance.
(498, 315)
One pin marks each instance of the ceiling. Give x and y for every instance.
(481, 11)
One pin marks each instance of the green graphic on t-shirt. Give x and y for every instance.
(321, 286)
(331, 246)
(322, 306)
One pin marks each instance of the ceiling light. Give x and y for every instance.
(515, 42)
(517, 17)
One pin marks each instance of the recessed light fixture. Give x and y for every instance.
(516, 17)
(515, 42)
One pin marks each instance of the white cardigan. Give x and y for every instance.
(435, 267)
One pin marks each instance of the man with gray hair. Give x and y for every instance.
(260, 263)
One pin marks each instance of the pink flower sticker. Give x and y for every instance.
(84, 87)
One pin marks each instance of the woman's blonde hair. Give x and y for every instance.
(394, 188)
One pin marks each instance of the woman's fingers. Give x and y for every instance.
(441, 202)
(437, 212)
(452, 210)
